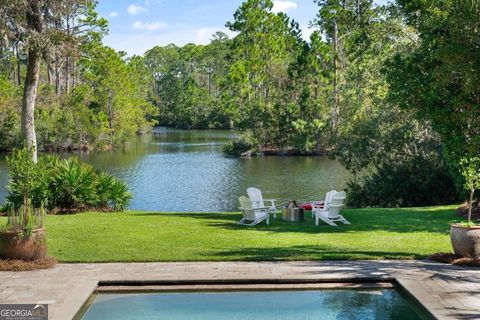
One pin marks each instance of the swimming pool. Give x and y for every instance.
(381, 303)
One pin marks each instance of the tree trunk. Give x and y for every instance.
(67, 61)
(110, 115)
(357, 5)
(73, 73)
(58, 83)
(335, 110)
(470, 203)
(49, 73)
(19, 74)
(26, 201)
(67, 73)
(34, 22)
(28, 103)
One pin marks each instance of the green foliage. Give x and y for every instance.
(17, 221)
(470, 170)
(414, 182)
(258, 81)
(438, 77)
(70, 185)
(112, 192)
(24, 178)
(106, 111)
(240, 146)
(75, 184)
(396, 160)
(187, 83)
(9, 115)
(23, 174)
(468, 224)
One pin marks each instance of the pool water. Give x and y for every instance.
(382, 304)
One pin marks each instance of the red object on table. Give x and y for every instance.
(308, 206)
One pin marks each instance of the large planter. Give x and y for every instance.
(13, 245)
(466, 241)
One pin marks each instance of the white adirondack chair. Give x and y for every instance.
(252, 216)
(322, 205)
(257, 200)
(331, 213)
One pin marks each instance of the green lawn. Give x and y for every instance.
(147, 236)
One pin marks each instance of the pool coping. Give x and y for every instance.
(445, 291)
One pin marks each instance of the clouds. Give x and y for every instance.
(283, 6)
(149, 26)
(133, 9)
(113, 14)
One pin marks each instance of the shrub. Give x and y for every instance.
(236, 148)
(416, 182)
(68, 185)
(242, 145)
(74, 185)
(119, 195)
(24, 178)
(112, 192)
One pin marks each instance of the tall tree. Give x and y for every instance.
(266, 45)
(37, 24)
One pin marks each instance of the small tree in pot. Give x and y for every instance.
(466, 236)
(24, 236)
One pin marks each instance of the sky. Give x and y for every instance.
(138, 25)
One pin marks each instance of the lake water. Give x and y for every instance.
(182, 170)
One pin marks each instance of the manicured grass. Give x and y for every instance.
(147, 236)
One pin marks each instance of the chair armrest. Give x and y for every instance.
(255, 209)
(261, 208)
(270, 200)
(318, 205)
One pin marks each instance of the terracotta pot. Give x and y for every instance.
(465, 241)
(14, 246)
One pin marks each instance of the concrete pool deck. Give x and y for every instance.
(447, 292)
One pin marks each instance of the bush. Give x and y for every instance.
(112, 192)
(236, 148)
(74, 185)
(416, 182)
(71, 185)
(240, 146)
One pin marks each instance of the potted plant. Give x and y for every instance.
(466, 236)
(23, 237)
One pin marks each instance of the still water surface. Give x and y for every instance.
(185, 170)
(352, 304)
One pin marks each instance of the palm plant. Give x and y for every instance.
(75, 184)
(119, 195)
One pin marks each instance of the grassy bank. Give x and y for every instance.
(149, 236)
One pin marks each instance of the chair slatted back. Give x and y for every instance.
(247, 208)
(336, 204)
(256, 197)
